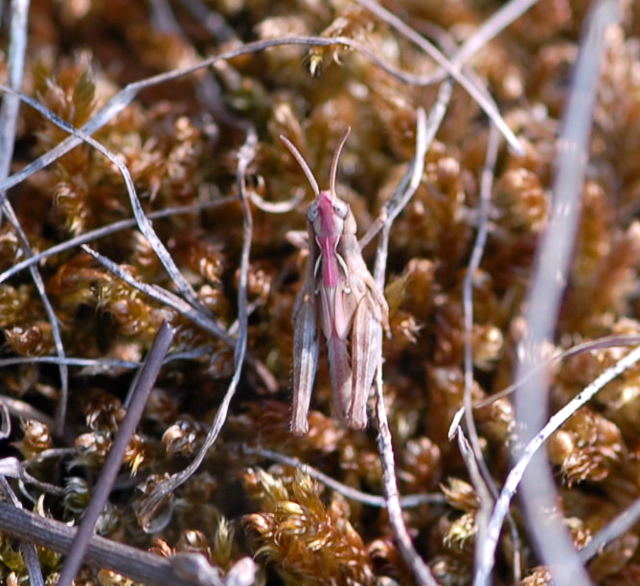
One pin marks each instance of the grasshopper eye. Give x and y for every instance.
(312, 212)
(340, 208)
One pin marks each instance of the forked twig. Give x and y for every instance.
(425, 133)
(481, 485)
(11, 467)
(168, 298)
(418, 567)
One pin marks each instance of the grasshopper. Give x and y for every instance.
(340, 295)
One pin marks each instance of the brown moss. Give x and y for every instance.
(180, 142)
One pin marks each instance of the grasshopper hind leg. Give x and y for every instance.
(305, 361)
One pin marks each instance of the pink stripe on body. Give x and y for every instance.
(328, 240)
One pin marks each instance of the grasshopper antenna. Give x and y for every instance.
(336, 159)
(303, 164)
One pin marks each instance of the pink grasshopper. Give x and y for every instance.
(339, 293)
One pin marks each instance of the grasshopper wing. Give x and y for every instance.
(369, 316)
(366, 339)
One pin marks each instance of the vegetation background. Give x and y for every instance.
(198, 238)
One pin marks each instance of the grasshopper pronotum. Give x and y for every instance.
(340, 294)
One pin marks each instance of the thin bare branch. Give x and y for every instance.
(485, 486)
(407, 501)
(167, 298)
(30, 555)
(549, 280)
(245, 156)
(11, 105)
(208, 88)
(99, 364)
(454, 71)
(140, 393)
(163, 296)
(490, 28)
(61, 409)
(13, 468)
(124, 97)
(144, 224)
(614, 341)
(22, 409)
(517, 472)
(107, 231)
(612, 530)
(212, 21)
(28, 548)
(5, 422)
(420, 570)
(481, 487)
(48, 454)
(425, 133)
(8, 122)
(486, 184)
(136, 564)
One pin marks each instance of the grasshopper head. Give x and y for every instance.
(327, 213)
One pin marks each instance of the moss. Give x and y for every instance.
(180, 142)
